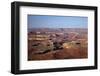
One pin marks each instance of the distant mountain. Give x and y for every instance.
(57, 30)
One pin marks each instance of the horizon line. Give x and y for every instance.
(58, 28)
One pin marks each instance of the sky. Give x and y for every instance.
(47, 21)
